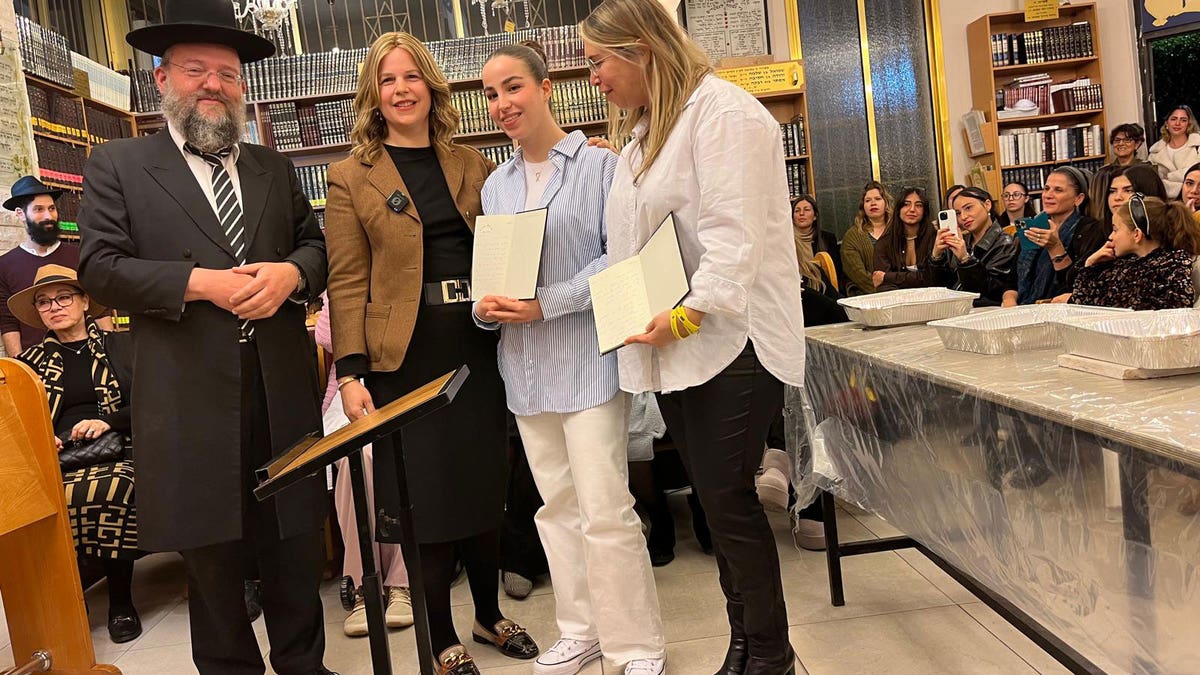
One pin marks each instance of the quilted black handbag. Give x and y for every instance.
(109, 447)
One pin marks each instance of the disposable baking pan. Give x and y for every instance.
(1011, 329)
(1154, 340)
(907, 306)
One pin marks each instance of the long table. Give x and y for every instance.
(1066, 500)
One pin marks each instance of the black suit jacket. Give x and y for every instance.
(145, 224)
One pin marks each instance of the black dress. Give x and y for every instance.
(455, 457)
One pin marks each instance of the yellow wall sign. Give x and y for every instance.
(1040, 10)
(766, 79)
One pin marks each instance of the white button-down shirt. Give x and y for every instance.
(721, 172)
(203, 170)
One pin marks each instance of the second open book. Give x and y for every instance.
(629, 294)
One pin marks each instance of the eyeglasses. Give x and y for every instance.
(63, 300)
(1137, 209)
(195, 73)
(1123, 141)
(594, 65)
(1013, 195)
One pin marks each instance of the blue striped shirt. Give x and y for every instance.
(554, 365)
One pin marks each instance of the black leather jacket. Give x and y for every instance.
(990, 270)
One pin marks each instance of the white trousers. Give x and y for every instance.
(599, 565)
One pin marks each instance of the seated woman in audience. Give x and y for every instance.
(1124, 141)
(902, 254)
(980, 258)
(88, 373)
(858, 246)
(1017, 204)
(807, 227)
(1178, 148)
(1139, 178)
(1190, 195)
(1046, 267)
(1146, 262)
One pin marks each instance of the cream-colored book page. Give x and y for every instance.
(507, 254)
(662, 269)
(619, 303)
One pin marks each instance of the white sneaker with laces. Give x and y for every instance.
(646, 667)
(355, 624)
(567, 657)
(399, 612)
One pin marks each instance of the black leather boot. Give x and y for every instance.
(736, 657)
(758, 665)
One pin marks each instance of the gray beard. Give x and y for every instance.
(208, 135)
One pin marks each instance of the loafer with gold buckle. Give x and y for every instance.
(511, 639)
(456, 661)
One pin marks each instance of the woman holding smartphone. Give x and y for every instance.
(399, 218)
(707, 152)
(572, 416)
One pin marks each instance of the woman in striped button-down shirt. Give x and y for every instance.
(571, 414)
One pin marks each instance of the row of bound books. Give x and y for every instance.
(1050, 144)
(104, 84)
(1034, 177)
(54, 112)
(104, 126)
(1057, 43)
(463, 58)
(45, 53)
(60, 162)
(145, 92)
(793, 137)
(302, 75)
(797, 178)
(1076, 97)
(314, 182)
(498, 153)
(68, 208)
(288, 125)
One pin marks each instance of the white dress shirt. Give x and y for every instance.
(203, 170)
(721, 172)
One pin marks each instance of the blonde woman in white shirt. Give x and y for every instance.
(709, 153)
(1178, 149)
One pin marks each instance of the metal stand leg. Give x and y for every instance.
(1135, 521)
(372, 590)
(833, 556)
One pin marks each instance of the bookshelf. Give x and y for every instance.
(66, 125)
(1041, 57)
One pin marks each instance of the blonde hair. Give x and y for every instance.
(861, 220)
(1192, 127)
(808, 267)
(673, 67)
(370, 129)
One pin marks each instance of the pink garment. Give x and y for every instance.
(324, 336)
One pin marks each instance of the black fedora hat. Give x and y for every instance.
(200, 21)
(28, 186)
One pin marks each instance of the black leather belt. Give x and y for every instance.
(448, 292)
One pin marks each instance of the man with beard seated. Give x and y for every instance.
(34, 203)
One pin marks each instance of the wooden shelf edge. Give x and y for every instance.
(1047, 65)
(1053, 162)
(1048, 118)
(61, 139)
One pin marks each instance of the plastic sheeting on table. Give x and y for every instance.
(1072, 495)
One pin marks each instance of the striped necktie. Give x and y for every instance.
(229, 212)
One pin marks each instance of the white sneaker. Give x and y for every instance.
(567, 657)
(646, 667)
(399, 612)
(355, 624)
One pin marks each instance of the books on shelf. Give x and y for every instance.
(56, 113)
(288, 125)
(1049, 144)
(1052, 97)
(1074, 96)
(797, 178)
(104, 126)
(1034, 177)
(45, 53)
(60, 163)
(314, 183)
(104, 84)
(463, 58)
(1055, 43)
(575, 101)
(793, 137)
(145, 92)
(498, 153)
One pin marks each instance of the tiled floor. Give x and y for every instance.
(902, 615)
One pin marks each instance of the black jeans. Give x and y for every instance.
(720, 428)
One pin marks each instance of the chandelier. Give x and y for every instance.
(270, 16)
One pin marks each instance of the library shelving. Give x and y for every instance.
(1055, 65)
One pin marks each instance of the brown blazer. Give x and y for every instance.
(375, 254)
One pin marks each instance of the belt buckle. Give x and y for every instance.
(455, 291)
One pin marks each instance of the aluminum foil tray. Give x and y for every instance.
(1155, 340)
(907, 306)
(1012, 329)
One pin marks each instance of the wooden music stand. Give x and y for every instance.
(313, 453)
(39, 576)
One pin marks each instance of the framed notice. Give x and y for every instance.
(1041, 10)
(728, 28)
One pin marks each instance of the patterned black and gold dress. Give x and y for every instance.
(83, 381)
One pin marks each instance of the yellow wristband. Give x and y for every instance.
(675, 327)
(687, 323)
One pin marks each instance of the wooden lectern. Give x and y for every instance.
(39, 577)
(314, 453)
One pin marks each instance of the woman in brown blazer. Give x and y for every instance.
(398, 229)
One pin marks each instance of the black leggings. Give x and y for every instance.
(481, 558)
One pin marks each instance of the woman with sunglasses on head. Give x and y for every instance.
(706, 151)
(1016, 203)
(1046, 271)
(902, 254)
(571, 414)
(399, 223)
(1146, 262)
(1178, 148)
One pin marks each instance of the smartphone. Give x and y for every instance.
(1022, 240)
(948, 220)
